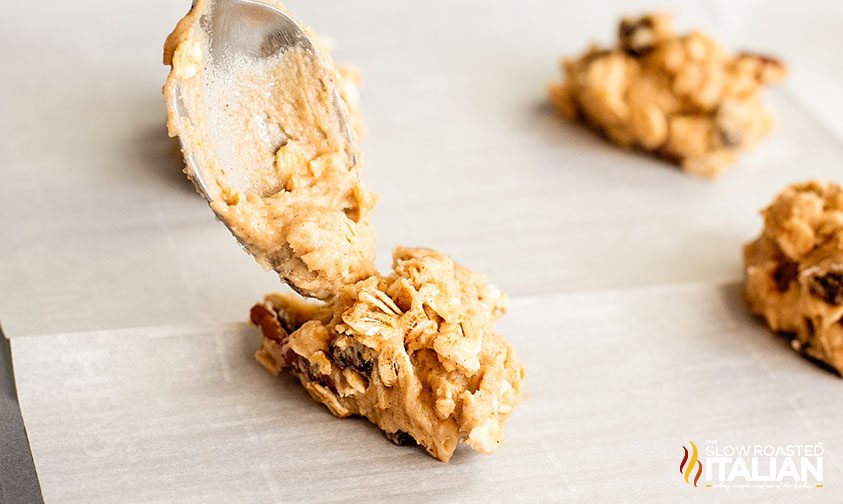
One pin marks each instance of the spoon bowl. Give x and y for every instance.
(241, 33)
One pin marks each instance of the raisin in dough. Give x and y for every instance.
(681, 97)
(794, 270)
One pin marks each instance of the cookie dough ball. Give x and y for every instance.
(681, 97)
(794, 270)
(415, 352)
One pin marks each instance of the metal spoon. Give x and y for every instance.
(243, 30)
(237, 35)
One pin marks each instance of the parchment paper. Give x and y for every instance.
(124, 299)
(617, 382)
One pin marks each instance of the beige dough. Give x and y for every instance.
(415, 352)
(794, 270)
(304, 211)
(681, 97)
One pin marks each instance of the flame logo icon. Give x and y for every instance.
(687, 466)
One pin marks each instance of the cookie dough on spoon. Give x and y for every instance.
(267, 141)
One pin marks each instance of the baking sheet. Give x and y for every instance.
(18, 479)
(617, 382)
(123, 298)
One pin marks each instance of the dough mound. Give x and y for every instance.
(794, 270)
(681, 97)
(415, 352)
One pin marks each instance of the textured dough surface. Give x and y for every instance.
(794, 270)
(415, 352)
(295, 199)
(681, 97)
